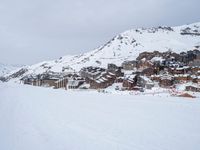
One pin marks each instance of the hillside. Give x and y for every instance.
(126, 46)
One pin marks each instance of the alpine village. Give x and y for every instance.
(150, 69)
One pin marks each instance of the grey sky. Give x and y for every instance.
(37, 30)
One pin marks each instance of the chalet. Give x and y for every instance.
(194, 70)
(157, 61)
(157, 64)
(119, 79)
(180, 70)
(115, 70)
(137, 88)
(103, 81)
(30, 80)
(166, 81)
(51, 82)
(196, 52)
(129, 82)
(165, 71)
(129, 65)
(143, 64)
(198, 56)
(184, 57)
(128, 72)
(144, 82)
(148, 72)
(182, 78)
(74, 82)
(171, 63)
(191, 55)
(192, 88)
(48, 79)
(196, 79)
(198, 73)
(155, 78)
(91, 72)
(61, 83)
(195, 63)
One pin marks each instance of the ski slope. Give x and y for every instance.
(34, 118)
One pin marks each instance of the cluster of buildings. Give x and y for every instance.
(150, 69)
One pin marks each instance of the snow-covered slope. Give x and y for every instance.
(127, 46)
(34, 118)
(5, 69)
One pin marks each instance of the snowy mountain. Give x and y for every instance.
(5, 68)
(126, 46)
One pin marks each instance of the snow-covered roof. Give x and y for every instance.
(73, 82)
(192, 84)
(181, 75)
(130, 78)
(128, 72)
(160, 59)
(166, 77)
(146, 79)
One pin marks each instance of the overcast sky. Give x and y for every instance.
(35, 30)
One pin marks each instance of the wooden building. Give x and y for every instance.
(115, 70)
(129, 65)
(129, 82)
(196, 79)
(61, 83)
(74, 82)
(103, 81)
(30, 80)
(155, 78)
(145, 82)
(182, 78)
(119, 79)
(91, 72)
(166, 81)
(192, 88)
(143, 64)
(179, 70)
(148, 71)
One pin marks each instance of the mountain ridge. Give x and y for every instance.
(6, 68)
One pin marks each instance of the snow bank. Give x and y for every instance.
(34, 118)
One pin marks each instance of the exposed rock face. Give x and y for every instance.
(17, 74)
(3, 79)
(189, 31)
